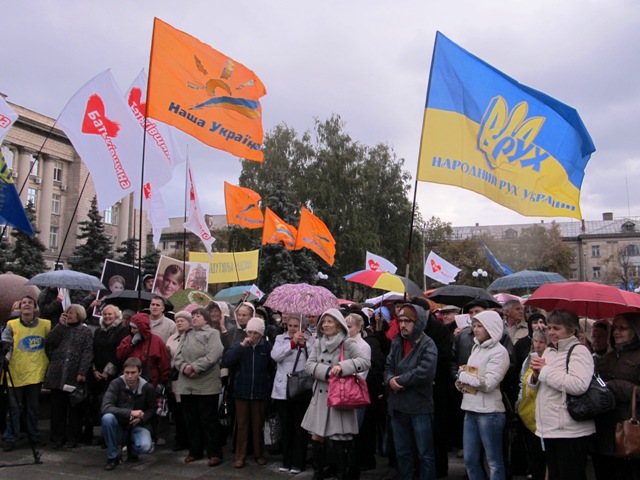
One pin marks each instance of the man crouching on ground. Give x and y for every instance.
(127, 409)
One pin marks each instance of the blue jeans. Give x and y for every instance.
(483, 430)
(409, 432)
(29, 397)
(114, 433)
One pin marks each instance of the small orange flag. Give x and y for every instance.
(204, 93)
(242, 206)
(276, 231)
(314, 234)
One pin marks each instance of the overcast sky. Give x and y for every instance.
(367, 61)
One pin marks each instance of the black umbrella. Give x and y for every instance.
(128, 299)
(460, 295)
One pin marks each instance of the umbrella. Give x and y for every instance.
(67, 279)
(190, 296)
(506, 297)
(385, 296)
(525, 279)
(128, 299)
(460, 295)
(233, 294)
(384, 281)
(587, 299)
(301, 298)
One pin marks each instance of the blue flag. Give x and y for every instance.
(497, 265)
(485, 132)
(11, 209)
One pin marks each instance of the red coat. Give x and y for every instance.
(158, 360)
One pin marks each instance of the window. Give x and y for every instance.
(57, 171)
(631, 251)
(596, 272)
(108, 215)
(53, 237)
(628, 227)
(7, 154)
(32, 196)
(595, 250)
(34, 166)
(55, 204)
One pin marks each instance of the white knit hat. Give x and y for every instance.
(256, 325)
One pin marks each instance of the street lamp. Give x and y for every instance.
(479, 274)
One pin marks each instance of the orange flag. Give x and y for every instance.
(314, 234)
(276, 231)
(242, 206)
(204, 93)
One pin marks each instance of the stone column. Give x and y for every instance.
(46, 192)
(124, 217)
(24, 165)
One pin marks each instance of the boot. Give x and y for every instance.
(317, 459)
(343, 454)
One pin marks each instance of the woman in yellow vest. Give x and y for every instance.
(24, 339)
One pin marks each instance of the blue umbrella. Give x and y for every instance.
(233, 294)
(525, 279)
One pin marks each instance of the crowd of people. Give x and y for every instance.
(493, 388)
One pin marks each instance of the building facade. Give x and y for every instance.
(48, 172)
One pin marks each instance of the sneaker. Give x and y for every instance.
(295, 471)
(283, 469)
(111, 463)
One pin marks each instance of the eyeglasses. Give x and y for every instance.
(405, 321)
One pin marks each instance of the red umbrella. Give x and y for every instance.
(586, 299)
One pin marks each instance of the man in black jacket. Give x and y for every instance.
(127, 409)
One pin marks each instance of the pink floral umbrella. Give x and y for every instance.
(301, 298)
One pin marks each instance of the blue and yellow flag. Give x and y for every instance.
(11, 210)
(486, 132)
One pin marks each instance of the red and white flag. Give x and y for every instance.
(105, 133)
(7, 117)
(256, 291)
(196, 223)
(153, 204)
(439, 269)
(377, 263)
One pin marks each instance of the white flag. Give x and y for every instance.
(7, 117)
(196, 223)
(379, 264)
(105, 133)
(153, 204)
(161, 148)
(256, 291)
(439, 269)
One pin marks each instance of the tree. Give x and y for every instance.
(27, 255)
(150, 261)
(128, 251)
(5, 254)
(89, 257)
(622, 266)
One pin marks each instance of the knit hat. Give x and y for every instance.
(185, 315)
(256, 325)
(409, 312)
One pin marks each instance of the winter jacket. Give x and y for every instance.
(70, 351)
(105, 343)
(202, 349)
(340, 424)
(163, 327)
(285, 356)
(492, 362)
(120, 400)
(620, 368)
(416, 370)
(151, 350)
(253, 369)
(552, 417)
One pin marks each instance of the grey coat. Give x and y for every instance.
(320, 419)
(202, 349)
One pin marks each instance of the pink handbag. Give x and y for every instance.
(347, 392)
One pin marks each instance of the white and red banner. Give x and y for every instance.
(377, 263)
(153, 204)
(256, 291)
(106, 135)
(196, 223)
(439, 269)
(7, 117)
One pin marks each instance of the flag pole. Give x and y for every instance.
(75, 210)
(184, 230)
(415, 189)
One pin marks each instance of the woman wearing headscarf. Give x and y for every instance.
(251, 361)
(565, 440)
(340, 425)
(620, 368)
(198, 363)
(70, 352)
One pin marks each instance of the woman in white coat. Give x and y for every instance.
(565, 440)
